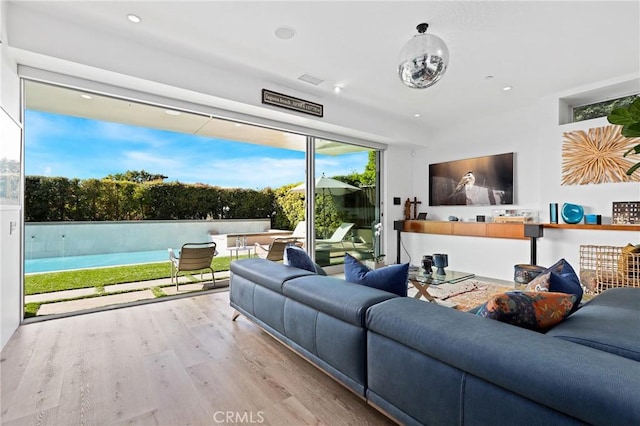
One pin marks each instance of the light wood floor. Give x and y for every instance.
(179, 362)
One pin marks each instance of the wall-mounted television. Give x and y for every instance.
(480, 181)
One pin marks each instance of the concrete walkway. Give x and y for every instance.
(113, 294)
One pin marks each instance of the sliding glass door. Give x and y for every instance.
(346, 201)
(118, 182)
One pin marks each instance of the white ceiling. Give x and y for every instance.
(539, 48)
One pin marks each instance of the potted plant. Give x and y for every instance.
(378, 258)
(629, 118)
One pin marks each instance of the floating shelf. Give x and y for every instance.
(469, 229)
(592, 227)
(514, 231)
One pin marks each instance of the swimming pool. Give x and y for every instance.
(52, 264)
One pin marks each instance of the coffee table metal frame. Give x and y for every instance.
(422, 282)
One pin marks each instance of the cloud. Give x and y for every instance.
(122, 133)
(247, 172)
(141, 160)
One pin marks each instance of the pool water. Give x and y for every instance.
(51, 264)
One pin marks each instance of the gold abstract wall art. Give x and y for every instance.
(596, 156)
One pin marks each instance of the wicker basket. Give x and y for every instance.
(604, 267)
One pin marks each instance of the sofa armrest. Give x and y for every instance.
(266, 273)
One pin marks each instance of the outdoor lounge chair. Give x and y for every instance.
(193, 257)
(338, 235)
(275, 250)
(299, 233)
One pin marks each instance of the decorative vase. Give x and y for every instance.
(427, 264)
(441, 261)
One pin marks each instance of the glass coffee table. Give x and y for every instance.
(422, 282)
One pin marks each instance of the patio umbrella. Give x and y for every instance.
(327, 185)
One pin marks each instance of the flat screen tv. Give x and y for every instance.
(480, 181)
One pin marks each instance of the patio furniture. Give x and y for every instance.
(299, 232)
(338, 236)
(192, 257)
(275, 250)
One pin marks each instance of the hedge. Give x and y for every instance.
(56, 199)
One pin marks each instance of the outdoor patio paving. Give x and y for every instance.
(133, 292)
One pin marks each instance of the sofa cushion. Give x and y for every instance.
(298, 258)
(265, 272)
(392, 278)
(335, 297)
(559, 278)
(536, 311)
(609, 322)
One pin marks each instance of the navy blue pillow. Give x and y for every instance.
(558, 278)
(296, 256)
(392, 278)
(565, 280)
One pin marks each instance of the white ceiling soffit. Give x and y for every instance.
(66, 101)
(539, 48)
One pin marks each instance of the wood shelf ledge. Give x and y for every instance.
(469, 229)
(591, 227)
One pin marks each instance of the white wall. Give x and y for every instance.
(10, 215)
(397, 173)
(535, 136)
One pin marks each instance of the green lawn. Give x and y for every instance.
(100, 277)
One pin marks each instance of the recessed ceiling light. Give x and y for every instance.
(416, 115)
(172, 112)
(134, 18)
(238, 125)
(85, 96)
(337, 89)
(284, 32)
(507, 88)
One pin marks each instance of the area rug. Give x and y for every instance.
(467, 294)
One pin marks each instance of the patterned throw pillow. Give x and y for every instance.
(392, 278)
(536, 311)
(559, 278)
(539, 283)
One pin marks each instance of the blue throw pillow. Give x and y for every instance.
(392, 278)
(560, 278)
(296, 256)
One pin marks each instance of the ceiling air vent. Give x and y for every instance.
(310, 79)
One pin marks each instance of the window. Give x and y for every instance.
(600, 109)
(114, 181)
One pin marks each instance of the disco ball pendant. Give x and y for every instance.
(423, 60)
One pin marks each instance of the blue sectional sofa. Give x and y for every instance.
(421, 363)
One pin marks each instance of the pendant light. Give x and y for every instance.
(423, 60)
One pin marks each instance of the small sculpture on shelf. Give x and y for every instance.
(407, 209)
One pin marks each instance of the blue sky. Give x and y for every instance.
(60, 145)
